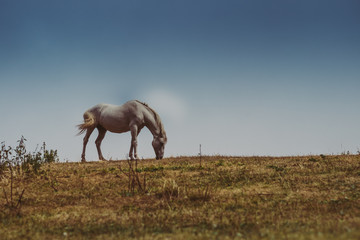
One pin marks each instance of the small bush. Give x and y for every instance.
(24, 161)
(14, 163)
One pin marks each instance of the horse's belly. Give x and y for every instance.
(115, 125)
(118, 129)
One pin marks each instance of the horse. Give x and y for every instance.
(131, 116)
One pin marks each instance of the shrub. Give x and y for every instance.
(19, 158)
(14, 162)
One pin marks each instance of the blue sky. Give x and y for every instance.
(239, 77)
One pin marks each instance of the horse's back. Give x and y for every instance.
(117, 118)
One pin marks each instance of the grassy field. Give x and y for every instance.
(304, 197)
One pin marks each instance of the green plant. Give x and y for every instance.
(5, 154)
(220, 163)
(33, 161)
(312, 159)
(276, 168)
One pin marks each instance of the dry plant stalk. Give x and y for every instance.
(134, 177)
(12, 205)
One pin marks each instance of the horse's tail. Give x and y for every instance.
(89, 121)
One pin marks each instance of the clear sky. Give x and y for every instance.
(240, 77)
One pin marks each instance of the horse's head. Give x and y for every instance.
(159, 145)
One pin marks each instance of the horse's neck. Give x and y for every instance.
(151, 124)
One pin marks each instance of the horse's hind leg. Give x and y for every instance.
(98, 141)
(85, 141)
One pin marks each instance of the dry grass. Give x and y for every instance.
(310, 197)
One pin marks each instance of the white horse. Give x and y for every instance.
(132, 116)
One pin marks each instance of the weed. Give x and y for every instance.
(151, 168)
(170, 190)
(312, 159)
(175, 167)
(5, 154)
(15, 163)
(24, 161)
(276, 168)
(220, 163)
(134, 177)
(12, 204)
(202, 194)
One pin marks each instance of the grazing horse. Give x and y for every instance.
(132, 116)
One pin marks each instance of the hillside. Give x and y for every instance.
(303, 197)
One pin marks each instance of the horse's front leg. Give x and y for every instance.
(133, 147)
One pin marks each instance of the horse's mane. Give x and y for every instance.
(156, 117)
